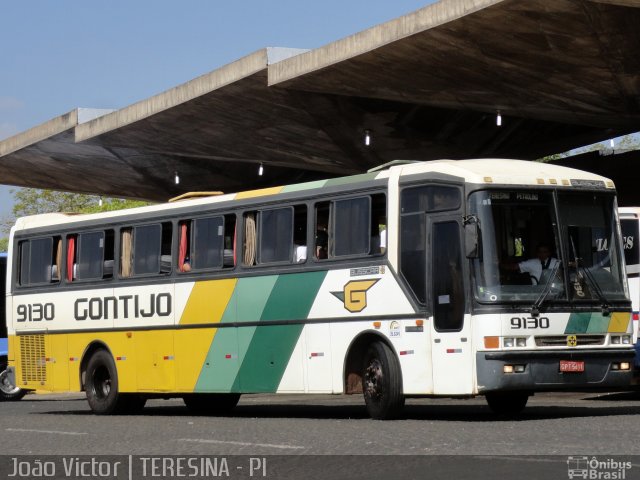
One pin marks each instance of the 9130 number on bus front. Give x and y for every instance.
(529, 323)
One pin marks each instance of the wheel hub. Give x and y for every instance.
(373, 379)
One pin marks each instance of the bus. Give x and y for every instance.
(405, 281)
(630, 225)
(8, 390)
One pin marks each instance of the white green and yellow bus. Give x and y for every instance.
(408, 281)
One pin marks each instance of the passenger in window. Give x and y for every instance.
(186, 266)
(322, 242)
(299, 246)
(535, 267)
(379, 241)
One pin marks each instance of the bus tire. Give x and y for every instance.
(8, 391)
(102, 385)
(507, 403)
(211, 403)
(382, 382)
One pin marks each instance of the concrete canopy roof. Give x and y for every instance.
(562, 73)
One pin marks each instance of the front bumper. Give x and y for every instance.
(542, 370)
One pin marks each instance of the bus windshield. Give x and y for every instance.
(536, 243)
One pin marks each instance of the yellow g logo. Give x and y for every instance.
(354, 294)
(572, 341)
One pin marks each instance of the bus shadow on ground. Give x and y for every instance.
(460, 413)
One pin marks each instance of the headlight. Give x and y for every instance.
(508, 342)
(521, 342)
(615, 340)
(626, 339)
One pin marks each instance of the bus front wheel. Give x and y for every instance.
(211, 403)
(102, 387)
(382, 382)
(8, 391)
(507, 403)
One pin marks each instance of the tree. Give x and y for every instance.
(34, 201)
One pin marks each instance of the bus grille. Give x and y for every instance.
(32, 358)
(561, 340)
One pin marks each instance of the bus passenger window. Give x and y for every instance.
(147, 241)
(90, 256)
(276, 235)
(208, 243)
(38, 261)
(351, 220)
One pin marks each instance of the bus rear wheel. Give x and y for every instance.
(382, 382)
(507, 403)
(102, 387)
(8, 391)
(211, 403)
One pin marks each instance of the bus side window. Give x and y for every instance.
(147, 242)
(275, 234)
(91, 255)
(351, 219)
(37, 261)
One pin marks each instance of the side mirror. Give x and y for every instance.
(471, 236)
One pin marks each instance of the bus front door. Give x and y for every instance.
(451, 346)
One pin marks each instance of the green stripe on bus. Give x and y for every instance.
(221, 366)
(271, 347)
(578, 322)
(363, 177)
(598, 323)
(303, 186)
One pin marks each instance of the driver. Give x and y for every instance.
(535, 266)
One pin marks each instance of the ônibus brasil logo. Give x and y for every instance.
(594, 468)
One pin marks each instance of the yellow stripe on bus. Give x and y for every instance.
(208, 301)
(619, 322)
(258, 193)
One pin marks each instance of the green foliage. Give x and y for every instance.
(34, 201)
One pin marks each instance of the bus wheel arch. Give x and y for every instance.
(352, 371)
(86, 356)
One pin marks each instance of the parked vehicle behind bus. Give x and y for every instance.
(630, 226)
(416, 280)
(8, 391)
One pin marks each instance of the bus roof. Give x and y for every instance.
(478, 171)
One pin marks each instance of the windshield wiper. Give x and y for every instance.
(593, 283)
(535, 308)
(583, 272)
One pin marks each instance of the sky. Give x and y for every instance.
(59, 55)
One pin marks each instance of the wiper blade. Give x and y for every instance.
(593, 283)
(535, 308)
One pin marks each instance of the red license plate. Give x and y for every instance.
(568, 366)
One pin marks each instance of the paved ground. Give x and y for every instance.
(560, 424)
